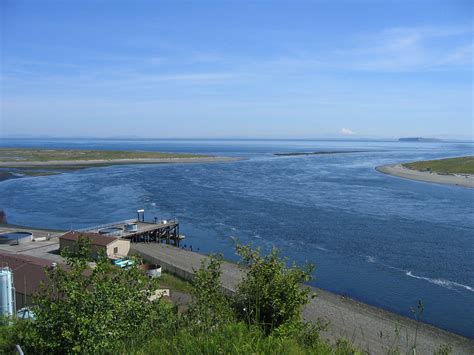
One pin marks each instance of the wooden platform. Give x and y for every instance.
(160, 232)
(147, 232)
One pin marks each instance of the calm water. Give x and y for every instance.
(380, 239)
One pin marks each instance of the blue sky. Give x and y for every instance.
(269, 69)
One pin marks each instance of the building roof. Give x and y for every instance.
(28, 271)
(95, 238)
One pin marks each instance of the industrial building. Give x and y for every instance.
(112, 247)
(28, 273)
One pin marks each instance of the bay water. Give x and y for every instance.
(383, 240)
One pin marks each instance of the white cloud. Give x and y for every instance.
(346, 132)
(413, 49)
(399, 49)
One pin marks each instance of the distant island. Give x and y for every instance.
(419, 139)
(319, 153)
(451, 171)
(18, 162)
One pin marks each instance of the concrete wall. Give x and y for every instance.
(187, 275)
(122, 245)
(181, 272)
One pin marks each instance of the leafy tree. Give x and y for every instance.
(85, 310)
(11, 331)
(271, 293)
(209, 308)
(80, 252)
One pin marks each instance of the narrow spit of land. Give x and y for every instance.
(323, 152)
(451, 171)
(36, 162)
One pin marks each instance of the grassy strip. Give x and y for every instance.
(235, 338)
(46, 155)
(175, 283)
(462, 165)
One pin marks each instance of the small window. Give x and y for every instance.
(116, 250)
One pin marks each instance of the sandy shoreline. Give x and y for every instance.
(400, 171)
(55, 167)
(102, 162)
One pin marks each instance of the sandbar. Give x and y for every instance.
(464, 180)
(105, 162)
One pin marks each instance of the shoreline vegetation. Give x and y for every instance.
(451, 171)
(20, 162)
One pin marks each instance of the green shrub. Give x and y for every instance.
(106, 311)
(209, 307)
(90, 311)
(271, 294)
(11, 333)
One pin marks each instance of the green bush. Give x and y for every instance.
(271, 294)
(209, 307)
(89, 311)
(11, 333)
(106, 310)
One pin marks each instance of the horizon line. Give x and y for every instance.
(223, 138)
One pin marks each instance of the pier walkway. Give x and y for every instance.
(370, 328)
(166, 231)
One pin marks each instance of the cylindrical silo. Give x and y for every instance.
(7, 292)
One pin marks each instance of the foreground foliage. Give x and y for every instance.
(87, 311)
(235, 338)
(271, 295)
(209, 308)
(107, 310)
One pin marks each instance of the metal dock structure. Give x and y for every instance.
(166, 231)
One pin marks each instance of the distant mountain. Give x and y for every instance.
(419, 139)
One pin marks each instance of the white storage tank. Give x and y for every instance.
(131, 227)
(152, 270)
(111, 231)
(7, 292)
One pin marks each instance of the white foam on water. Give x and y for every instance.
(370, 259)
(321, 248)
(452, 285)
